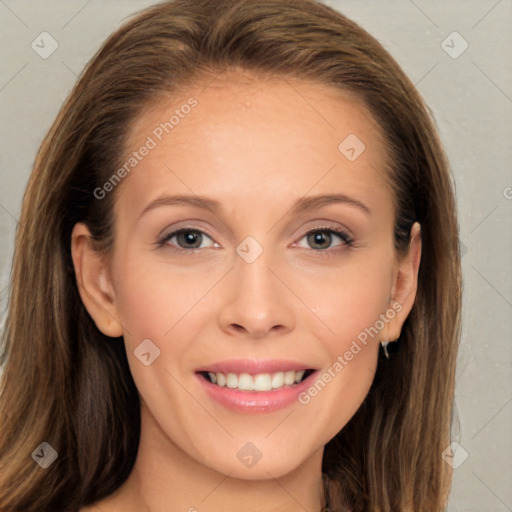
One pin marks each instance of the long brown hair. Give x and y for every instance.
(67, 384)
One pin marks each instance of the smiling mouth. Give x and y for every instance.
(257, 382)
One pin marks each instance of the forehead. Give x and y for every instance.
(265, 138)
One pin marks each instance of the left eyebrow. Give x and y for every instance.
(312, 202)
(301, 205)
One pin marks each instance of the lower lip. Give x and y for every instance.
(255, 401)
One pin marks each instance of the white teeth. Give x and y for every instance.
(232, 381)
(259, 382)
(245, 382)
(221, 379)
(289, 378)
(263, 382)
(299, 375)
(278, 380)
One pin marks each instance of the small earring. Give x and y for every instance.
(385, 346)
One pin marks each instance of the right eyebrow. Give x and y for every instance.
(203, 202)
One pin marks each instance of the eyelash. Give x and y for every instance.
(346, 239)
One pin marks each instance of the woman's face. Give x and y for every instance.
(258, 285)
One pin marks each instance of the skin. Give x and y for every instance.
(256, 146)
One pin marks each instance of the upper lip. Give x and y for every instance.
(254, 366)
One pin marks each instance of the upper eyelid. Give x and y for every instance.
(186, 227)
(341, 233)
(316, 224)
(333, 229)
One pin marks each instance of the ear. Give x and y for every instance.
(404, 286)
(94, 282)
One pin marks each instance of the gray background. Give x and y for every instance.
(471, 99)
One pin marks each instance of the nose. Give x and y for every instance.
(257, 301)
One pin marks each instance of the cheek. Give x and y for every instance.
(348, 297)
(153, 299)
(164, 305)
(350, 305)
